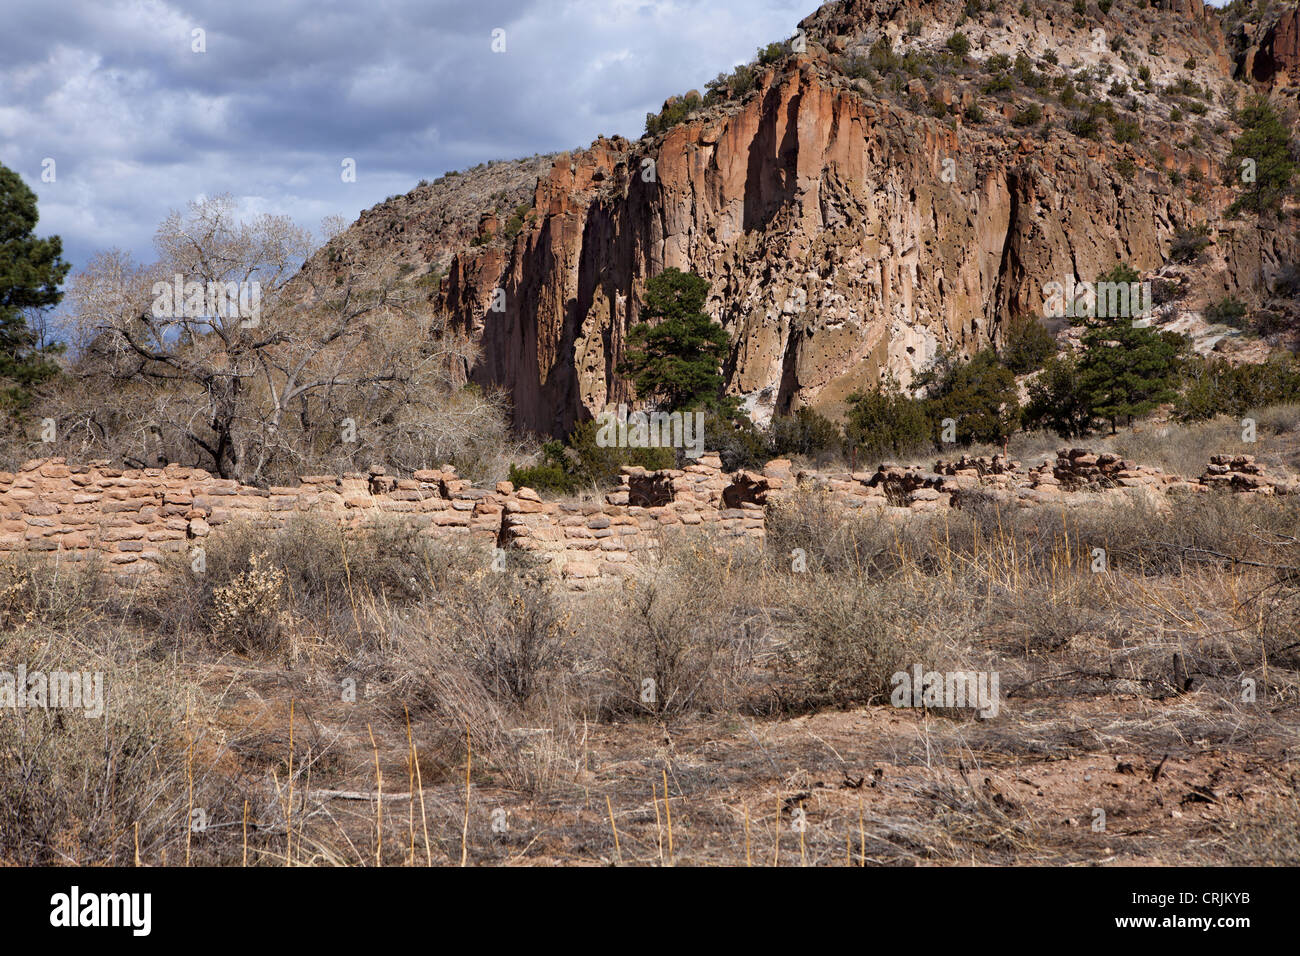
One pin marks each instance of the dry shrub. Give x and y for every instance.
(1019, 582)
(52, 590)
(831, 537)
(846, 639)
(1191, 530)
(488, 653)
(246, 613)
(511, 634)
(511, 631)
(78, 789)
(496, 733)
(682, 635)
(810, 521)
(327, 577)
(1159, 535)
(1278, 419)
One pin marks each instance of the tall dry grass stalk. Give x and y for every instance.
(419, 782)
(288, 817)
(659, 829)
(379, 801)
(189, 785)
(618, 851)
(668, 812)
(776, 843)
(464, 830)
(748, 860)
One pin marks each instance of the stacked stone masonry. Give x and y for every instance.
(134, 521)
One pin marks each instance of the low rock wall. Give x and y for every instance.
(136, 520)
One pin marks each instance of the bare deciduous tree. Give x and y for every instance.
(223, 354)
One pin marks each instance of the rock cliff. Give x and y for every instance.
(867, 199)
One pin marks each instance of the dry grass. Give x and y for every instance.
(1176, 447)
(409, 668)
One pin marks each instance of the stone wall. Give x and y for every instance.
(1243, 474)
(136, 520)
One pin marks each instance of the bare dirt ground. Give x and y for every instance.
(1116, 780)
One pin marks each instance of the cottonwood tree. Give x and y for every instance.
(223, 354)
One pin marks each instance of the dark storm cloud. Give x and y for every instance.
(138, 123)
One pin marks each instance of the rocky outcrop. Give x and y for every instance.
(1273, 59)
(835, 249)
(414, 237)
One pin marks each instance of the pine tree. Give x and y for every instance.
(885, 422)
(30, 272)
(980, 396)
(1126, 370)
(676, 354)
(1265, 142)
(1055, 401)
(1027, 344)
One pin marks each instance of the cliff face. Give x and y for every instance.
(834, 247)
(850, 230)
(1273, 57)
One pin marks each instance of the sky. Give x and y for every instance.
(116, 111)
